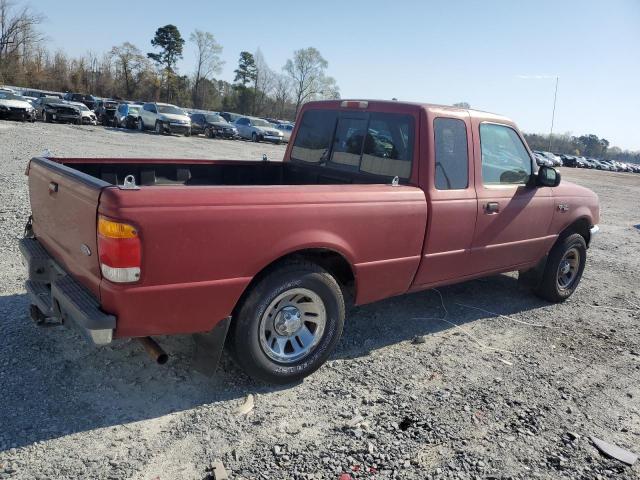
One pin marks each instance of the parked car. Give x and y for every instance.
(258, 130)
(212, 125)
(164, 118)
(230, 117)
(106, 112)
(41, 93)
(127, 115)
(286, 129)
(354, 211)
(541, 160)
(569, 161)
(554, 160)
(88, 100)
(14, 107)
(581, 162)
(59, 111)
(87, 116)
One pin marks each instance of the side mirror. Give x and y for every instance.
(548, 177)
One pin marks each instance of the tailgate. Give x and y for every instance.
(64, 205)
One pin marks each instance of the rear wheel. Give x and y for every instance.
(563, 270)
(288, 324)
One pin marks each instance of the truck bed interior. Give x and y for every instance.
(222, 173)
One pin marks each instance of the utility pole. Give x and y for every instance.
(553, 115)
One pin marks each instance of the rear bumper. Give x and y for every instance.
(59, 298)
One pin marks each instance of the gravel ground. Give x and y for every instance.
(477, 380)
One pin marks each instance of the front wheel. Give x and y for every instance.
(158, 128)
(140, 125)
(289, 324)
(209, 133)
(563, 270)
(254, 137)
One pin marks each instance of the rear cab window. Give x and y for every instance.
(451, 154)
(375, 144)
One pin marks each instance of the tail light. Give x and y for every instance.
(119, 251)
(354, 104)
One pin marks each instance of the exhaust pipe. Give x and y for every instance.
(154, 350)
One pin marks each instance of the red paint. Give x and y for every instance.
(202, 245)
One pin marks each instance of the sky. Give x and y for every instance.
(499, 56)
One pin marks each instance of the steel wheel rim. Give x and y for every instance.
(568, 269)
(292, 325)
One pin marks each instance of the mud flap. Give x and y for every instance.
(209, 348)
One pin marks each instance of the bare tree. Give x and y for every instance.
(307, 72)
(281, 94)
(129, 60)
(263, 82)
(208, 62)
(18, 32)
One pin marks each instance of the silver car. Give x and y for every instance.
(258, 130)
(286, 129)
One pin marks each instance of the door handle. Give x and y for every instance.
(492, 207)
(53, 187)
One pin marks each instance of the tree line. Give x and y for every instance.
(590, 146)
(127, 72)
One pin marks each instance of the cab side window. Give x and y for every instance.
(505, 160)
(452, 157)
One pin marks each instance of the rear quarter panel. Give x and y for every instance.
(203, 245)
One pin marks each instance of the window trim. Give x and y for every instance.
(526, 149)
(435, 154)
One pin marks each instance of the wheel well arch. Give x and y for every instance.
(332, 261)
(581, 226)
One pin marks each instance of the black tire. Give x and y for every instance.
(254, 137)
(158, 128)
(47, 118)
(140, 124)
(187, 133)
(209, 133)
(244, 335)
(552, 287)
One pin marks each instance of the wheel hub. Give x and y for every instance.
(288, 321)
(565, 267)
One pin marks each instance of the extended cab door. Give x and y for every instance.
(513, 216)
(449, 183)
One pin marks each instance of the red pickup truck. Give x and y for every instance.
(373, 199)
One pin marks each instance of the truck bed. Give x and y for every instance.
(202, 246)
(155, 172)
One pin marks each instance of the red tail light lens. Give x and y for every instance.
(119, 251)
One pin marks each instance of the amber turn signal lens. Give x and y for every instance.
(111, 229)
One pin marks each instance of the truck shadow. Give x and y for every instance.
(54, 384)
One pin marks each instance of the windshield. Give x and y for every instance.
(170, 109)
(10, 96)
(81, 106)
(258, 122)
(214, 117)
(134, 110)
